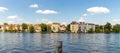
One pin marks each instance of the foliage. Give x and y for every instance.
(68, 28)
(24, 26)
(108, 26)
(116, 28)
(43, 27)
(48, 28)
(97, 29)
(5, 23)
(31, 29)
(106, 31)
(90, 30)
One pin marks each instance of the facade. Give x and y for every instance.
(74, 27)
(37, 28)
(55, 27)
(62, 28)
(82, 27)
(90, 26)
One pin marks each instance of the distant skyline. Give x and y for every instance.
(61, 11)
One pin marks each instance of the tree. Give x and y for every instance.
(24, 26)
(107, 27)
(97, 29)
(68, 28)
(48, 28)
(31, 29)
(90, 30)
(5, 23)
(106, 31)
(116, 28)
(101, 28)
(43, 27)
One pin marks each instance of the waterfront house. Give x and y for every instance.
(4, 28)
(55, 27)
(62, 28)
(74, 27)
(90, 26)
(82, 27)
(37, 28)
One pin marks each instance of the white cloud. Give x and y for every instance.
(34, 6)
(44, 20)
(46, 12)
(81, 20)
(12, 17)
(11, 22)
(85, 14)
(3, 9)
(115, 21)
(98, 10)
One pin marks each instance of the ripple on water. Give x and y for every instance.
(14, 50)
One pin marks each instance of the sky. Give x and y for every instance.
(61, 11)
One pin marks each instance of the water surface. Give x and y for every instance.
(46, 43)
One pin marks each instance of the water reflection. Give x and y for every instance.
(46, 43)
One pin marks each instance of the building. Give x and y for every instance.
(82, 27)
(90, 26)
(62, 28)
(37, 28)
(74, 27)
(55, 27)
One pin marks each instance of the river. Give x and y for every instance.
(72, 43)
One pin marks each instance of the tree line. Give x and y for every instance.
(107, 28)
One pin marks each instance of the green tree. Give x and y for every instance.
(5, 23)
(48, 28)
(68, 28)
(107, 27)
(106, 31)
(90, 30)
(31, 29)
(43, 27)
(101, 28)
(116, 28)
(24, 27)
(97, 29)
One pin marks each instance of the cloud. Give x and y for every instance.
(98, 10)
(43, 20)
(3, 9)
(11, 21)
(34, 6)
(46, 12)
(81, 20)
(12, 17)
(115, 21)
(85, 14)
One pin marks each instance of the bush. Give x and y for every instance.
(31, 29)
(106, 31)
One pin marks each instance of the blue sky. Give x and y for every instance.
(62, 11)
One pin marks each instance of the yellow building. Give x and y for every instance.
(55, 27)
(62, 28)
(74, 27)
(37, 28)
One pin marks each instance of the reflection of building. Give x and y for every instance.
(55, 27)
(74, 27)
